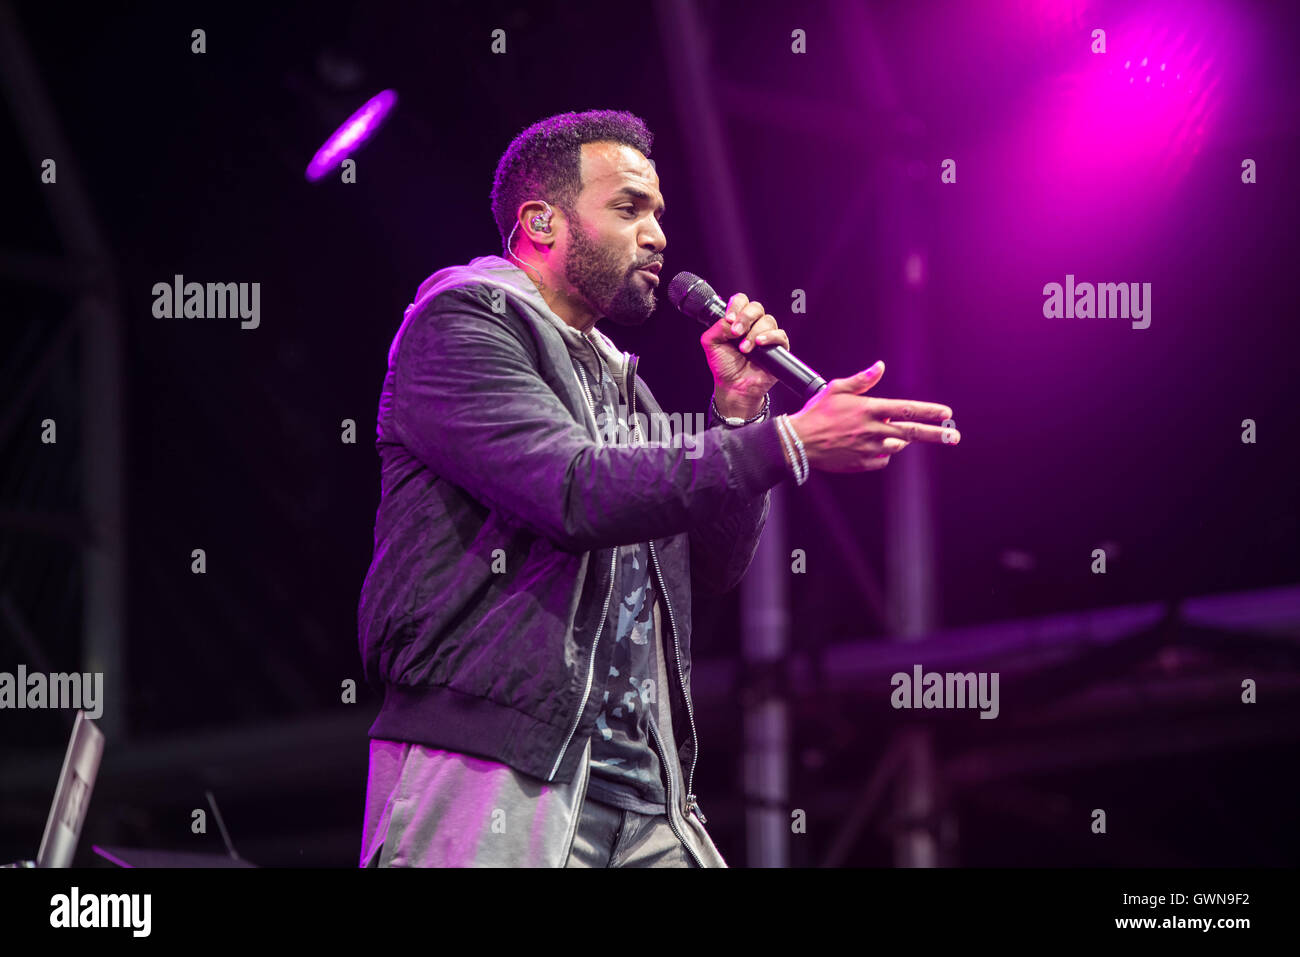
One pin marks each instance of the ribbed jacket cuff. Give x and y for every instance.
(757, 457)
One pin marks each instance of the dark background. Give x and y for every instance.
(1074, 434)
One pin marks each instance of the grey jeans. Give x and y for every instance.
(432, 808)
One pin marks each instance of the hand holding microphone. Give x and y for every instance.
(842, 430)
(696, 298)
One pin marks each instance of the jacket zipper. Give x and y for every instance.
(591, 667)
(659, 746)
(629, 377)
(691, 802)
(591, 663)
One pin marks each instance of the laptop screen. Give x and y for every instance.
(72, 796)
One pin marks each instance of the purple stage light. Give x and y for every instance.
(1111, 137)
(352, 135)
(1114, 120)
(1093, 157)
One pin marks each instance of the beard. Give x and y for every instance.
(608, 286)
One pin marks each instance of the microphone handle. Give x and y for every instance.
(774, 359)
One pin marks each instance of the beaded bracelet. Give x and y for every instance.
(736, 422)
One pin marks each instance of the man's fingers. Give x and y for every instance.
(857, 384)
(736, 303)
(764, 332)
(743, 319)
(721, 331)
(917, 432)
(769, 337)
(909, 411)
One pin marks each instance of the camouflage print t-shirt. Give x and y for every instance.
(625, 767)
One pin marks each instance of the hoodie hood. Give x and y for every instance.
(513, 282)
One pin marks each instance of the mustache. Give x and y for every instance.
(649, 262)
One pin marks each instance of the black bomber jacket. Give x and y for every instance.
(499, 520)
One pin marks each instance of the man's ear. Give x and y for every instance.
(538, 222)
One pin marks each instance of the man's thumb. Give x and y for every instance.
(861, 382)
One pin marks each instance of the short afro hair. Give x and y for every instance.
(545, 161)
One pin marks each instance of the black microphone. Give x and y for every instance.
(696, 298)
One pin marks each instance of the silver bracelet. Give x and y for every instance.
(789, 449)
(736, 422)
(803, 454)
(788, 439)
(800, 476)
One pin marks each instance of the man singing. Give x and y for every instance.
(528, 606)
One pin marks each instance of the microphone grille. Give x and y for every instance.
(689, 293)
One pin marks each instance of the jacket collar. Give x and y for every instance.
(514, 282)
